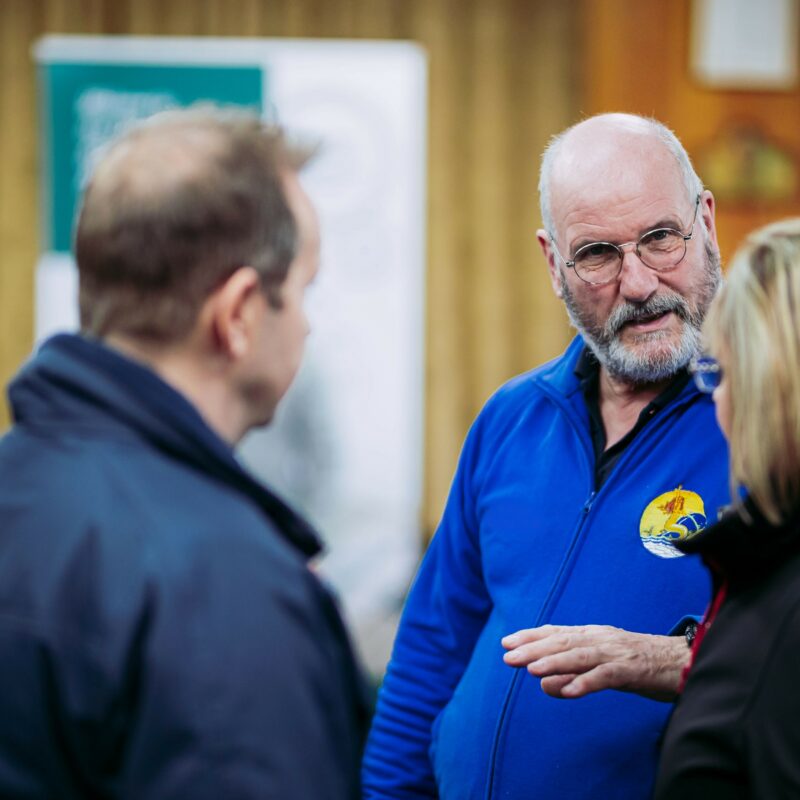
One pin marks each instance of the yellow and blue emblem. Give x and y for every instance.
(672, 516)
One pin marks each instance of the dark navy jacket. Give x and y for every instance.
(527, 539)
(160, 633)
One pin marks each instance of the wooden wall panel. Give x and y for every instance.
(638, 60)
(18, 185)
(503, 78)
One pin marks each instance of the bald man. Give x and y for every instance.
(555, 555)
(160, 633)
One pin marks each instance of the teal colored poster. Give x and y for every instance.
(84, 105)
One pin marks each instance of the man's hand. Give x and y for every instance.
(573, 661)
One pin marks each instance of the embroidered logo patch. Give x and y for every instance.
(672, 516)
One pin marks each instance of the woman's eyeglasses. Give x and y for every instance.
(707, 373)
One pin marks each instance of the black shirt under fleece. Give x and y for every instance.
(587, 371)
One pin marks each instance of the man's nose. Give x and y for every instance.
(637, 282)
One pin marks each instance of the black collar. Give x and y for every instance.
(80, 382)
(744, 545)
(587, 371)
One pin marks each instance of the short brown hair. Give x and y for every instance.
(176, 205)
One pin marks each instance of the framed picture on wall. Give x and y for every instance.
(745, 45)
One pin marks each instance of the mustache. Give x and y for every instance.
(659, 304)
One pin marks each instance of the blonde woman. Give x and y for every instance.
(735, 732)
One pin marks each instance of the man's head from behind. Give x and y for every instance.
(194, 229)
(630, 242)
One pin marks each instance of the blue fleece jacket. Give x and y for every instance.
(526, 540)
(161, 635)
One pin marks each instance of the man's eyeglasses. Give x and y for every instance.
(707, 373)
(661, 249)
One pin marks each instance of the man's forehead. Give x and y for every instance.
(642, 185)
(622, 221)
(615, 159)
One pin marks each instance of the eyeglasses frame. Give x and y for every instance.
(704, 365)
(619, 248)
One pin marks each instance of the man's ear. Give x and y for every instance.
(549, 254)
(234, 310)
(707, 212)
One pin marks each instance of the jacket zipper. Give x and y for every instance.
(584, 516)
(515, 676)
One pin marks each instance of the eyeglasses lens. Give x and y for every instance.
(600, 262)
(707, 374)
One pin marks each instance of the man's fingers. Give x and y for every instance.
(575, 661)
(573, 652)
(572, 661)
(554, 684)
(527, 635)
(575, 685)
(562, 636)
(604, 676)
(526, 653)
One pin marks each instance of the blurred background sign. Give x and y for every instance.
(86, 103)
(346, 445)
(741, 44)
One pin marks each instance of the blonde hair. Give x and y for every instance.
(754, 326)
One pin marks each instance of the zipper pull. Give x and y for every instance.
(588, 504)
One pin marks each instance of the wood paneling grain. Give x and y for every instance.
(18, 184)
(638, 60)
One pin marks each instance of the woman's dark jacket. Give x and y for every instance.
(735, 732)
(161, 635)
